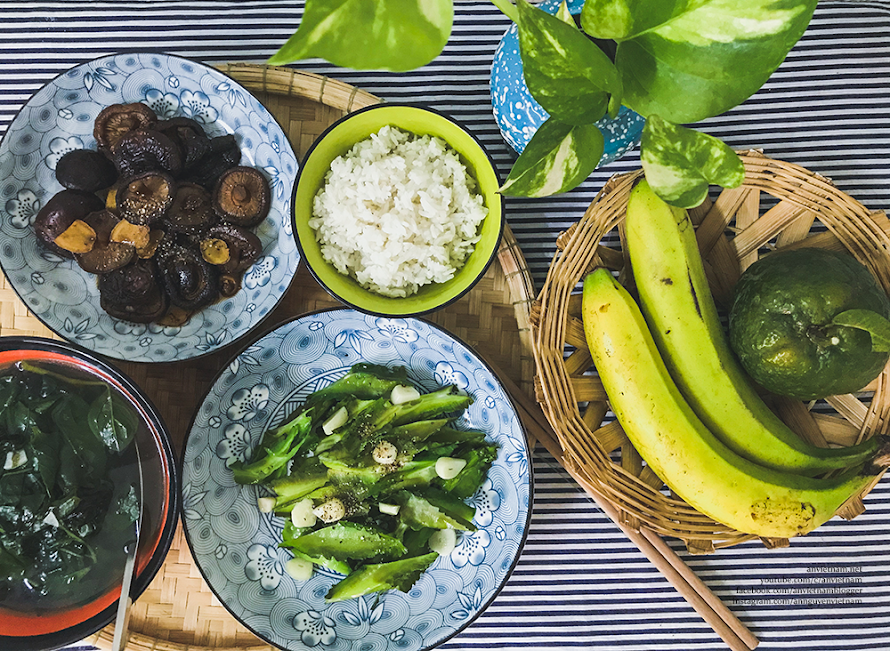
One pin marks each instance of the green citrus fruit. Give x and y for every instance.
(780, 323)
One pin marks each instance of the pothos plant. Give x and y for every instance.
(675, 62)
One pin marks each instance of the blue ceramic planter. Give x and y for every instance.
(519, 115)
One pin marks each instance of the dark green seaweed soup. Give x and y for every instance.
(68, 486)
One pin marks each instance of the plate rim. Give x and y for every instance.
(528, 451)
(112, 354)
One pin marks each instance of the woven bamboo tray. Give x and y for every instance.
(780, 205)
(178, 612)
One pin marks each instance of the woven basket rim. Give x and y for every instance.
(581, 248)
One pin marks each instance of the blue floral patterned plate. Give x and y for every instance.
(235, 546)
(519, 115)
(59, 118)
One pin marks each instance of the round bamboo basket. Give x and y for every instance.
(780, 205)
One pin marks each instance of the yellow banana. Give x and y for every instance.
(682, 316)
(676, 444)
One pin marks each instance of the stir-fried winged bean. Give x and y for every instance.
(371, 478)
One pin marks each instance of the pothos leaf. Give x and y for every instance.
(680, 163)
(687, 61)
(393, 35)
(557, 158)
(564, 14)
(569, 76)
(872, 322)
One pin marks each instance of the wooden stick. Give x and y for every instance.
(708, 605)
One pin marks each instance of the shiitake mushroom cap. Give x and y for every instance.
(224, 154)
(191, 211)
(59, 213)
(106, 255)
(145, 198)
(242, 196)
(229, 285)
(114, 121)
(145, 150)
(133, 293)
(193, 142)
(86, 170)
(244, 246)
(189, 280)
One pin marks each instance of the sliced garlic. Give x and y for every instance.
(301, 515)
(402, 393)
(385, 453)
(15, 459)
(299, 569)
(265, 504)
(449, 467)
(331, 511)
(388, 509)
(443, 541)
(51, 519)
(336, 421)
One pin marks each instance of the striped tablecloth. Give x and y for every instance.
(579, 582)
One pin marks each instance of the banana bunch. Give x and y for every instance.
(686, 405)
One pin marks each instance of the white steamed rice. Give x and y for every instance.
(397, 212)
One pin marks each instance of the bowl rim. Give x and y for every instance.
(528, 450)
(317, 275)
(147, 568)
(230, 79)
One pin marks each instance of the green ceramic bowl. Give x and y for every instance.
(336, 141)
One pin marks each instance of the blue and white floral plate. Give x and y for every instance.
(59, 118)
(519, 115)
(235, 546)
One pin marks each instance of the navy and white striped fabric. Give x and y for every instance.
(580, 583)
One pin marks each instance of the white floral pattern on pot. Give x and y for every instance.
(519, 115)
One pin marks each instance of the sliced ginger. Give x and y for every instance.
(77, 238)
(215, 250)
(130, 233)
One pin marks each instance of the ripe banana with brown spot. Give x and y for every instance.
(682, 316)
(676, 444)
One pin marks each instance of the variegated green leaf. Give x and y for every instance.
(688, 60)
(564, 14)
(393, 35)
(872, 322)
(557, 158)
(622, 19)
(680, 163)
(569, 76)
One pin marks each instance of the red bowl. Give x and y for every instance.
(21, 631)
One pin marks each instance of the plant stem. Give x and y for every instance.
(507, 8)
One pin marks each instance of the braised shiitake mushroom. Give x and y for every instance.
(106, 255)
(242, 247)
(193, 142)
(242, 196)
(62, 210)
(145, 198)
(224, 153)
(145, 150)
(156, 238)
(114, 121)
(191, 210)
(86, 170)
(133, 293)
(229, 285)
(190, 282)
